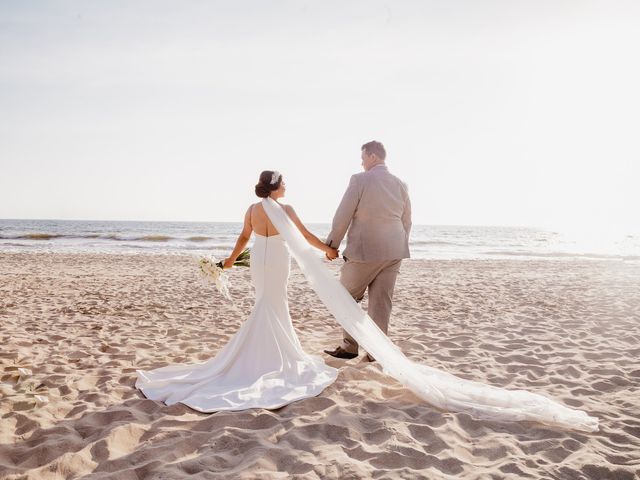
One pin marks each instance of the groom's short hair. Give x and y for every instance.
(375, 148)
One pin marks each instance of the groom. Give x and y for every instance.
(375, 214)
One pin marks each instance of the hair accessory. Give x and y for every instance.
(274, 177)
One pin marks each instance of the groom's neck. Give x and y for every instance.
(376, 165)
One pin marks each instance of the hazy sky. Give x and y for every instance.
(494, 112)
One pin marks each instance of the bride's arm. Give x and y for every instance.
(242, 241)
(310, 237)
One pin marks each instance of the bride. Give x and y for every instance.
(263, 365)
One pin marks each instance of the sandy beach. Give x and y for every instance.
(75, 327)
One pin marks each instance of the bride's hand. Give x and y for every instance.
(332, 253)
(228, 263)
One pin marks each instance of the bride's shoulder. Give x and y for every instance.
(252, 208)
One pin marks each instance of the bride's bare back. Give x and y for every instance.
(257, 221)
(260, 222)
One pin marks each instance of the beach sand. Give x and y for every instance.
(75, 327)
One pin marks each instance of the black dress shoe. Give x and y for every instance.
(341, 353)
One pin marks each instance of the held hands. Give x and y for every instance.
(332, 253)
(228, 263)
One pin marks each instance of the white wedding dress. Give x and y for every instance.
(263, 365)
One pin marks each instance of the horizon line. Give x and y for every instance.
(240, 222)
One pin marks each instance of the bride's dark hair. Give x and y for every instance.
(264, 186)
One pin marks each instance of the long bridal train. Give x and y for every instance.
(441, 389)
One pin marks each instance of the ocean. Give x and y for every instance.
(427, 241)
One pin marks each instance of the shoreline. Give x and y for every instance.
(503, 257)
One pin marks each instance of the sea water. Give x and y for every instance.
(218, 239)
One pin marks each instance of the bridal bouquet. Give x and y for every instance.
(213, 271)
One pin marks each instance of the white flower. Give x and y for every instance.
(215, 274)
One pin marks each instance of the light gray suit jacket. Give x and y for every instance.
(375, 213)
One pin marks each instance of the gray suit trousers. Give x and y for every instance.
(380, 279)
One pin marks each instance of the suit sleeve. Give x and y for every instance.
(344, 214)
(406, 214)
